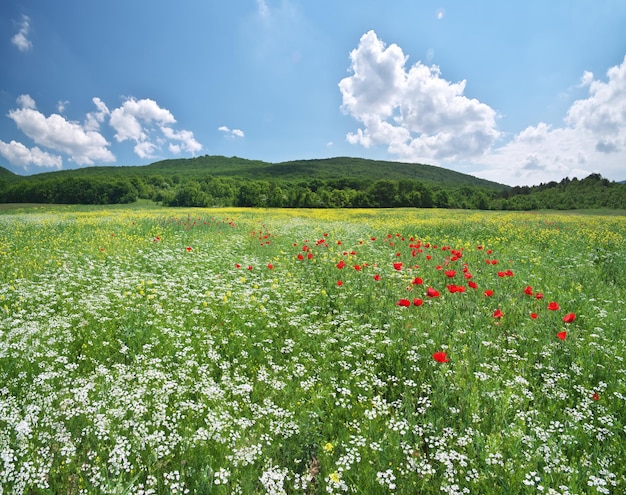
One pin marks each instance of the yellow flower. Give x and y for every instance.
(334, 477)
(328, 447)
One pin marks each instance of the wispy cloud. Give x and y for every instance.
(263, 9)
(20, 39)
(234, 133)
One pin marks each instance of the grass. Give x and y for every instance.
(293, 351)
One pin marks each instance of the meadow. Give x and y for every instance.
(254, 351)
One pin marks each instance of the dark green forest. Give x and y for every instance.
(330, 183)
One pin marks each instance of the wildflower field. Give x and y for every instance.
(249, 351)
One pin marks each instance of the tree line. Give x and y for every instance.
(591, 192)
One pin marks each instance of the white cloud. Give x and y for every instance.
(25, 101)
(186, 139)
(415, 113)
(263, 8)
(591, 140)
(233, 133)
(127, 120)
(421, 117)
(144, 149)
(61, 104)
(20, 39)
(18, 154)
(141, 121)
(84, 147)
(94, 119)
(604, 113)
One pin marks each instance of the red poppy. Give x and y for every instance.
(467, 275)
(534, 316)
(472, 285)
(417, 302)
(501, 274)
(430, 292)
(237, 265)
(357, 268)
(403, 302)
(309, 256)
(441, 357)
(189, 249)
(489, 293)
(341, 264)
(417, 281)
(398, 265)
(509, 273)
(569, 317)
(300, 257)
(339, 283)
(595, 396)
(270, 266)
(539, 295)
(553, 306)
(450, 273)
(561, 335)
(249, 267)
(498, 314)
(528, 290)
(455, 288)
(377, 277)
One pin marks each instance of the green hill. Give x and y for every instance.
(301, 170)
(7, 175)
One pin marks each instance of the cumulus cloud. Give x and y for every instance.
(20, 39)
(94, 119)
(233, 133)
(145, 122)
(141, 121)
(83, 146)
(414, 112)
(185, 140)
(25, 101)
(129, 119)
(603, 114)
(592, 139)
(18, 154)
(419, 116)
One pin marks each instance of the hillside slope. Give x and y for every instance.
(301, 170)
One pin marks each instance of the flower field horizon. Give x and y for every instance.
(279, 351)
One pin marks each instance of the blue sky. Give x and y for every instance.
(516, 92)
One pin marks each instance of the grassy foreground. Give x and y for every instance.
(311, 351)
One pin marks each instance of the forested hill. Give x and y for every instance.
(329, 183)
(324, 169)
(339, 168)
(7, 175)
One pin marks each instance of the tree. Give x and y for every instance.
(190, 194)
(383, 193)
